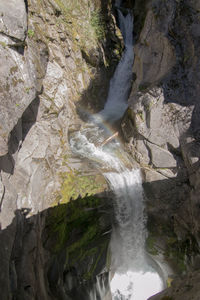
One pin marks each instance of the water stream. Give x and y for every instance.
(134, 275)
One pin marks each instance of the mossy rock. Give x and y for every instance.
(75, 185)
(77, 231)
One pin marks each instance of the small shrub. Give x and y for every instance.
(30, 33)
(97, 24)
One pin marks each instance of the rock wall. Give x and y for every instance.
(57, 58)
(161, 129)
(59, 253)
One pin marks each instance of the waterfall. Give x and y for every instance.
(130, 231)
(133, 274)
(120, 83)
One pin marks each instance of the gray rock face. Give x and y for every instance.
(18, 88)
(45, 71)
(13, 19)
(44, 77)
(154, 55)
(162, 132)
(160, 157)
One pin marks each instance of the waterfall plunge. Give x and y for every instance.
(134, 278)
(133, 273)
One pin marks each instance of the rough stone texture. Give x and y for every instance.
(18, 87)
(13, 19)
(161, 128)
(161, 158)
(48, 68)
(45, 75)
(187, 291)
(154, 55)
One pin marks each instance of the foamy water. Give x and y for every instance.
(135, 285)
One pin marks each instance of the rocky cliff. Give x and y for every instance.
(58, 57)
(161, 129)
(55, 55)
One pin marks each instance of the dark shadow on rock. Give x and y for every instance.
(18, 134)
(172, 224)
(182, 84)
(57, 253)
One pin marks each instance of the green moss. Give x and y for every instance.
(65, 219)
(27, 89)
(30, 33)
(178, 252)
(13, 70)
(143, 87)
(141, 116)
(74, 185)
(92, 269)
(76, 229)
(3, 44)
(150, 244)
(84, 26)
(97, 23)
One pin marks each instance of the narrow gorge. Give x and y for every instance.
(99, 149)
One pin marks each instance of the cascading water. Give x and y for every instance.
(120, 83)
(133, 274)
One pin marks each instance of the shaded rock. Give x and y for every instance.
(40, 260)
(190, 289)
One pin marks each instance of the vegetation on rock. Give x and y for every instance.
(78, 229)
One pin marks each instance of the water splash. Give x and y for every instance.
(134, 276)
(135, 285)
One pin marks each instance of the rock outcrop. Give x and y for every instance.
(161, 128)
(54, 57)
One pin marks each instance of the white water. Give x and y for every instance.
(133, 274)
(134, 277)
(120, 83)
